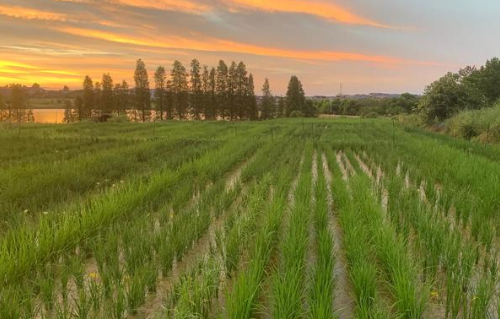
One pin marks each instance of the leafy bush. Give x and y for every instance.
(119, 119)
(371, 115)
(481, 125)
(296, 114)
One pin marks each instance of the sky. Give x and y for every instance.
(390, 46)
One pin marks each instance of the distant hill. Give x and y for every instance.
(358, 96)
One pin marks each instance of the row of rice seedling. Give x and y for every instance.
(238, 231)
(196, 293)
(358, 247)
(242, 299)
(29, 247)
(400, 270)
(128, 257)
(288, 281)
(173, 239)
(443, 248)
(470, 181)
(390, 250)
(31, 189)
(321, 289)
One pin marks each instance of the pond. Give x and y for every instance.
(48, 115)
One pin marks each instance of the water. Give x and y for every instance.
(54, 116)
(49, 116)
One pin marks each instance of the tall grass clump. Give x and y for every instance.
(241, 300)
(289, 280)
(321, 295)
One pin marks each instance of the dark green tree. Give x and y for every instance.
(160, 91)
(121, 98)
(70, 114)
(408, 102)
(79, 109)
(196, 90)
(212, 111)
(3, 109)
(96, 110)
(107, 94)
(232, 82)
(205, 87)
(241, 81)
(221, 89)
(253, 112)
(142, 94)
(18, 102)
(180, 90)
(489, 80)
(443, 98)
(295, 96)
(169, 103)
(268, 103)
(88, 98)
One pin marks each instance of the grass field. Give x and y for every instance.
(321, 218)
(49, 103)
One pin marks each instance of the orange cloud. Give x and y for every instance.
(170, 5)
(31, 14)
(9, 64)
(174, 5)
(321, 9)
(218, 45)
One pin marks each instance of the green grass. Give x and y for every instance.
(49, 103)
(112, 209)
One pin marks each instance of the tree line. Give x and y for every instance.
(406, 103)
(15, 107)
(200, 93)
(471, 88)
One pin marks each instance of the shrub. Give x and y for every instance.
(296, 114)
(119, 119)
(371, 115)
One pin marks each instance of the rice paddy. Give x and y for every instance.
(321, 218)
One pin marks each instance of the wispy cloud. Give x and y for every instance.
(322, 9)
(221, 45)
(168, 5)
(31, 14)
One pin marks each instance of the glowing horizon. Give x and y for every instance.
(367, 47)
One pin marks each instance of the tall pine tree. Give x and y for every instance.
(295, 97)
(268, 103)
(212, 95)
(96, 111)
(125, 98)
(221, 88)
(160, 91)
(88, 98)
(79, 108)
(169, 103)
(18, 102)
(205, 85)
(253, 112)
(241, 90)
(232, 80)
(107, 94)
(142, 95)
(196, 90)
(180, 90)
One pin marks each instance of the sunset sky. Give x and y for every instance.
(370, 46)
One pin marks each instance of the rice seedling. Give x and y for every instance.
(320, 301)
(416, 214)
